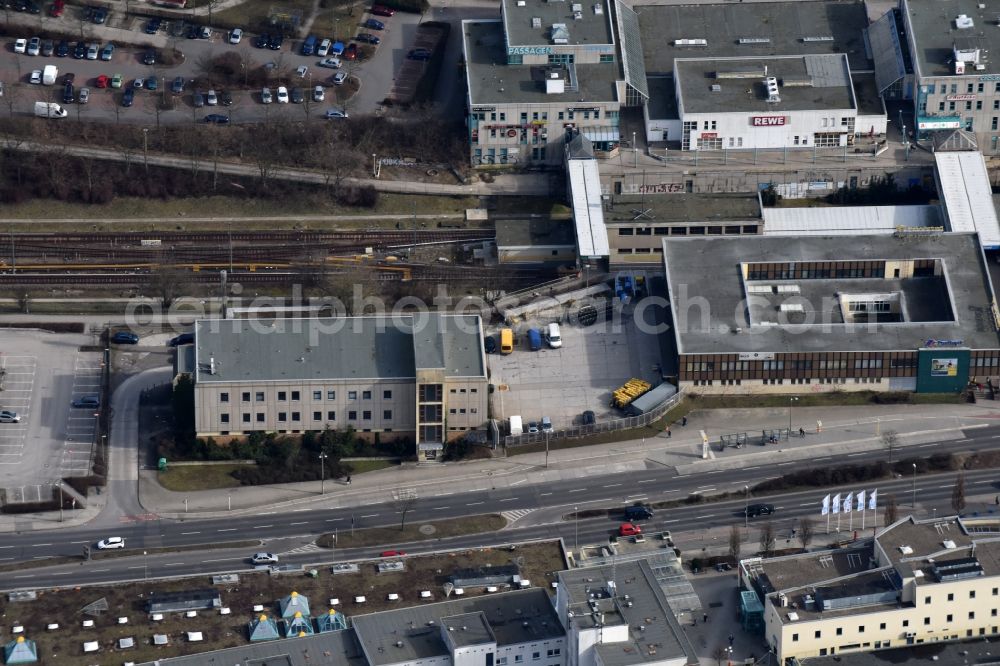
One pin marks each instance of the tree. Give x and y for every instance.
(735, 541)
(890, 440)
(403, 500)
(891, 511)
(958, 494)
(767, 538)
(719, 654)
(166, 282)
(807, 528)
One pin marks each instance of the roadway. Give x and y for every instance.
(544, 508)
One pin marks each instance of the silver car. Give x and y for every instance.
(7, 416)
(83, 96)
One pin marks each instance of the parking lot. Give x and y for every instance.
(581, 375)
(42, 374)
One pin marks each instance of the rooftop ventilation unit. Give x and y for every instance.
(560, 34)
(521, 3)
(771, 83)
(789, 289)
(716, 87)
(791, 307)
(949, 544)
(906, 550)
(536, 22)
(577, 16)
(755, 40)
(759, 289)
(818, 38)
(554, 84)
(598, 9)
(964, 22)
(690, 42)
(576, 7)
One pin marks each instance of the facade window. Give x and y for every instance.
(818, 634)
(387, 395)
(317, 395)
(906, 623)
(296, 416)
(996, 105)
(245, 396)
(366, 395)
(606, 57)
(927, 621)
(259, 396)
(317, 416)
(224, 418)
(795, 638)
(331, 395)
(951, 596)
(972, 615)
(282, 395)
(246, 418)
(554, 652)
(968, 88)
(861, 628)
(881, 626)
(501, 661)
(366, 415)
(979, 105)
(296, 395)
(331, 416)
(223, 397)
(260, 417)
(980, 88)
(387, 414)
(352, 395)
(282, 416)
(972, 594)
(940, 106)
(535, 656)
(840, 631)
(927, 600)
(352, 415)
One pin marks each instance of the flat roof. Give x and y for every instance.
(779, 28)
(805, 83)
(590, 28)
(469, 629)
(967, 194)
(534, 233)
(662, 98)
(983, 650)
(848, 220)
(777, 574)
(710, 271)
(933, 35)
(588, 214)
(413, 633)
(337, 647)
(375, 347)
(921, 538)
(866, 96)
(647, 608)
(492, 81)
(654, 209)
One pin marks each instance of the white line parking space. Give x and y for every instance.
(81, 422)
(17, 381)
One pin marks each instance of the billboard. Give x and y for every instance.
(944, 367)
(942, 370)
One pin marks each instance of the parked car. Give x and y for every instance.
(34, 46)
(265, 96)
(335, 113)
(235, 36)
(217, 118)
(339, 78)
(68, 93)
(127, 98)
(178, 85)
(638, 512)
(111, 543)
(56, 8)
(419, 54)
(351, 52)
(368, 38)
(226, 98)
(138, 83)
(211, 98)
(198, 99)
(7, 416)
(588, 418)
(205, 32)
(264, 558)
(297, 96)
(192, 32)
(20, 45)
(92, 51)
(68, 77)
(546, 424)
(117, 80)
(149, 57)
(48, 48)
(87, 402)
(374, 24)
(319, 94)
(151, 83)
(36, 77)
(108, 51)
(183, 338)
(62, 50)
(392, 553)
(324, 48)
(153, 25)
(629, 529)
(100, 15)
(262, 41)
(301, 71)
(102, 81)
(282, 95)
(337, 49)
(756, 510)
(34, 8)
(274, 42)
(330, 63)
(533, 427)
(125, 337)
(382, 10)
(80, 51)
(83, 96)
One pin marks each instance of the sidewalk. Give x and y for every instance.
(845, 430)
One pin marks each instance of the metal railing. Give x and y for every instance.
(626, 423)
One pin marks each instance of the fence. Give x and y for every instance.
(627, 423)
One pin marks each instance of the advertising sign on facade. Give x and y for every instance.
(944, 367)
(768, 121)
(756, 356)
(960, 98)
(934, 124)
(529, 50)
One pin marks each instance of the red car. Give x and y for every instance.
(393, 553)
(56, 9)
(629, 529)
(382, 10)
(103, 81)
(351, 52)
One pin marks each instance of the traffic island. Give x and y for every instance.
(422, 531)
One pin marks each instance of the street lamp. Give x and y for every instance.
(746, 510)
(145, 567)
(145, 148)
(791, 399)
(914, 501)
(322, 473)
(576, 528)
(635, 151)
(59, 486)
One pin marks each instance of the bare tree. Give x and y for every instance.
(12, 95)
(890, 440)
(719, 654)
(403, 500)
(807, 528)
(890, 512)
(767, 538)
(958, 493)
(735, 543)
(166, 282)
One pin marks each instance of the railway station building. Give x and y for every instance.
(421, 376)
(911, 311)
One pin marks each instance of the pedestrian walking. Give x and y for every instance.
(996, 501)
(668, 433)
(802, 432)
(704, 618)
(684, 420)
(348, 479)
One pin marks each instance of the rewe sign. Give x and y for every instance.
(767, 121)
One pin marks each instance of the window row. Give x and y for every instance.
(283, 396)
(283, 417)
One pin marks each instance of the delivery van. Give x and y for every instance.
(506, 341)
(534, 339)
(49, 75)
(515, 425)
(554, 336)
(49, 110)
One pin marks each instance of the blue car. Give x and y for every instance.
(125, 337)
(374, 24)
(127, 98)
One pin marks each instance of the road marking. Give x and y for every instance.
(261, 527)
(300, 510)
(370, 515)
(267, 513)
(28, 576)
(717, 471)
(852, 455)
(648, 481)
(174, 564)
(517, 483)
(16, 546)
(675, 520)
(332, 520)
(945, 486)
(440, 508)
(745, 469)
(546, 494)
(40, 545)
(628, 497)
(224, 559)
(189, 533)
(64, 573)
(808, 504)
(228, 529)
(139, 567)
(995, 437)
(577, 490)
(704, 489)
(707, 515)
(474, 503)
(79, 542)
(508, 499)
(783, 464)
(302, 523)
(971, 483)
(611, 485)
(101, 570)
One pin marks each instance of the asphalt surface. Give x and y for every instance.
(544, 510)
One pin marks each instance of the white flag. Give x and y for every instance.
(860, 501)
(826, 506)
(872, 499)
(836, 503)
(847, 503)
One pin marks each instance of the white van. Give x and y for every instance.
(515, 425)
(554, 336)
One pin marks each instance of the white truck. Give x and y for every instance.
(49, 110)
(515, 426)
(49, 75)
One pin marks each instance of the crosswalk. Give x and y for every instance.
(515, 515)
(78, 440)
(308, 548)
(17, 380)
